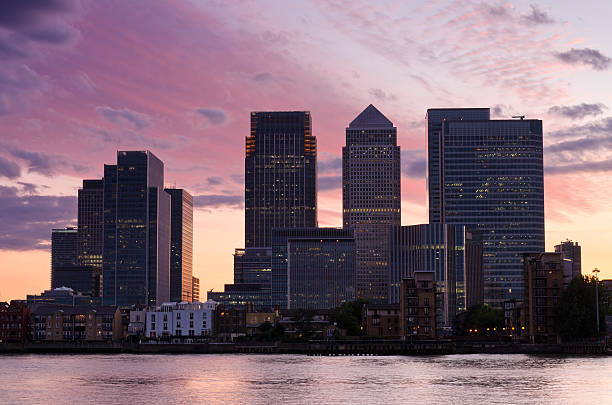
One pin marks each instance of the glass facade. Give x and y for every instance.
(64, 249)
(136, 257)
(242, 295)
(280, 175)
(253, 266)
(371, 197)
(181, 245)
(491, 180)
(90, 223)
(312, 268)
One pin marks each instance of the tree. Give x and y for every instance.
(575, 317)
(485, 320)
(348, 316)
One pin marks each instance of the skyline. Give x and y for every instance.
(68, 110)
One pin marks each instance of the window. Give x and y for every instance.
(191, 324)
(178, 315)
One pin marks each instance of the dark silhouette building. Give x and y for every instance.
(280, 175)
(312, 268)
(64, 249)
(371, 197)
(181, 245)
(91, 224)
(488, 175)
(543, 285)
(571, 251)
(136, 259)
(417, 305)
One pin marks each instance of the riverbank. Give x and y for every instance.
(312, 348)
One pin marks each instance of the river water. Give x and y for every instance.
(293, 379)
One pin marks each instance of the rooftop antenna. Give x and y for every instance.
(522, 117)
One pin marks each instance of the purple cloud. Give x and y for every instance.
(27, 221)
(578, 110)
(213, 116)
(414, 163)
(9, 169)
(218, 201)
(327, 183)
(585, 56)
(135, 119)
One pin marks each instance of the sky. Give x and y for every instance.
(80, 80)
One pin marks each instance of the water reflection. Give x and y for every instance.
(278, 379)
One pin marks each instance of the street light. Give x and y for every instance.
(596, 271)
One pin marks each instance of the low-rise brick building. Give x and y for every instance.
(381, 320)
(418, 305)
(14, 322)
(76, 323)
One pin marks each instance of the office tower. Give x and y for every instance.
(572, 251)
(195, 289)
(435, 118)
(83, 279)
(490, 178)
(451, 252)
(371, 197)
(181, 245)
(253, 266)
(542, 290)
(64, 249)
(312, 268)
(90, 221)
(136, 259)
(280, 175)
(417, 305)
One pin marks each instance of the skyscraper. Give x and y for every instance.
(91, 230)
(64, 249)
(312, 268)
(280, 175)
(490, 178)
(371, 197)
(136, 259)
(181, 245)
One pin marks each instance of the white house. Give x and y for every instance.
(180, 319)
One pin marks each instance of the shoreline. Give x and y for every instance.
(314, 348)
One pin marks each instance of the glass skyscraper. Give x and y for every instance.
(64, 249)
(90, 220)
(181, 245)
(312, 268)
(280, 175)
(371, 197)
(136, 259)
(488, 175)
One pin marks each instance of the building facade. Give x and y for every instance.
(543, 285)
(76, 323)
(182, 319)
(91, 224)
(452, 252)
(371, 197)
(181, 245)
(381, 320)
(280, 175)
(64, 249)
(195, 288)
(489, 178)
(417, 305)
(243, 295)
(253, 266)
(312, 268)
(82, 279)
(136, 259)
(571, 251)
(14, 322)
